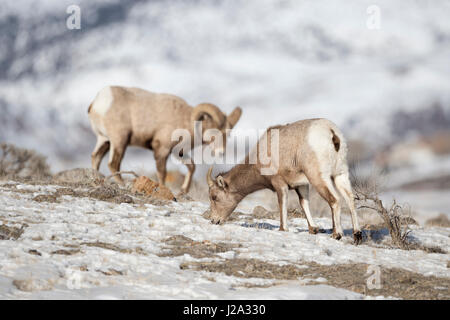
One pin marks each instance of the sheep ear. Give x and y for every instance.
(221, 182)
(234, 116)
(209, 178)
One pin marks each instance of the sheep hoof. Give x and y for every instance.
(336, 236)
(284, 229)
(313, 230)
(357, 237)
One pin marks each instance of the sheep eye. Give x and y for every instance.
(213, 198)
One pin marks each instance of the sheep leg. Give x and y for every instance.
(303, 197)
(188, 178)
(282, 190)
(115, 158)
(342, 183)
(101, 148)
(161, 161)
(324, 186)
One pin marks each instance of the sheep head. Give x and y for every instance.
(222, 200)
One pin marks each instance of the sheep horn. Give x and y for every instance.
(211, 110)
(209, 178)
(234, 116)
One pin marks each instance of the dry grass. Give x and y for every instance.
(66, 252)
(104, 192)
(113, 247)
(46, 198)
(394, 282)
(440, 221)
(8, 233)
(112, 272)
(79, 177)
(34, 252)
(22, 163)
(32, 284)
(179, 245)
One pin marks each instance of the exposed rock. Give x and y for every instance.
(152, 189)
(260, 212)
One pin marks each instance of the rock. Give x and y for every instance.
(79, 176)
(152, 189)
(259, 212)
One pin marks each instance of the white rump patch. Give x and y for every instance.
(319, 138)
(103, 101)
(320, 141)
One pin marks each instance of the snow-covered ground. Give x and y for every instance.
(135, 269)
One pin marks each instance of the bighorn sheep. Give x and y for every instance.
(309, 152)
(122, 116)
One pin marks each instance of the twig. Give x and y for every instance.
(122, 172)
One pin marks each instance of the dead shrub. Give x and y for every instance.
(22, 163)
(440, 221)
(79, 176)
(393, 217)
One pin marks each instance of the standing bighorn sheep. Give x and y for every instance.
(309, 152)
(123, 116)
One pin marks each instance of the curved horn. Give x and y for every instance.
(211, 110)
(234, 116)
(209, 178)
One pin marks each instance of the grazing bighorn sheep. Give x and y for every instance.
(309, 152)
(123, 116)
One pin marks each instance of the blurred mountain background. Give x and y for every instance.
(280, 60)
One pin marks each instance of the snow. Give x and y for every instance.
(287, 59)
(73, 221)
